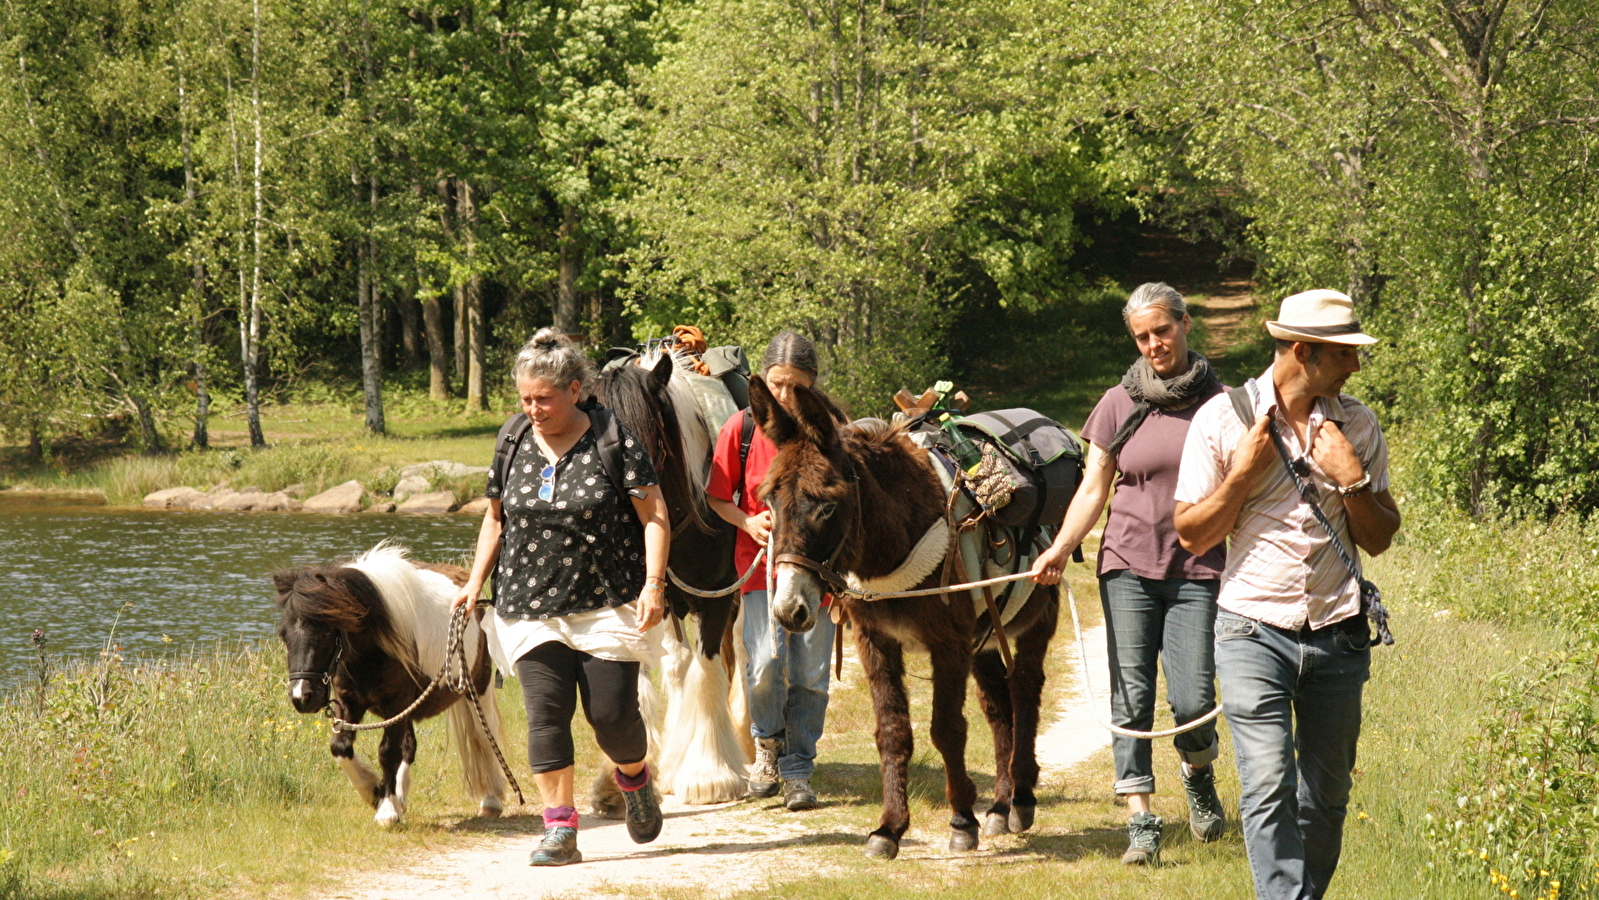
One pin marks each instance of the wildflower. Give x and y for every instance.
(38, 638)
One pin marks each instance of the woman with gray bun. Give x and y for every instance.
(1159, 600)
(787, 687)
(576, 535)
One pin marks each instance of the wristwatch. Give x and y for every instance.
(1350, 490)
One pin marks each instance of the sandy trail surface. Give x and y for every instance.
(708, 850)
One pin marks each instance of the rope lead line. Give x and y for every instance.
(455, 677)
(711, 595)
(1088, 689)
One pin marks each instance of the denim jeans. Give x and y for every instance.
(788, 692)
(1154, 620)
(1292, 700)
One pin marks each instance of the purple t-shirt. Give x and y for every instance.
(1139, 534)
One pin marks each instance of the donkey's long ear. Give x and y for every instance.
(284, 581)
(816, 417)
(662, 373)
(778, 426)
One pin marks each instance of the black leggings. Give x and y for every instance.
(552, 675)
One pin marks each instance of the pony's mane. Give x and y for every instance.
(333, 595)
(416, 603)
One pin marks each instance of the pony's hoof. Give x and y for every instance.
(994, 823)
(388, 815)
(881, 847)
(1021, 818)
(963, 840)
(490, 810)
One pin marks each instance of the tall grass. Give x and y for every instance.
(189, 776)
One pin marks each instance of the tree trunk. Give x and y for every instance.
(438, 359)
(250, 320)
(35, 443)
(371, 364)
(567, 315)
(469, 317)
(458, 319)
(410, 334)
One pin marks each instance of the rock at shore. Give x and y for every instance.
(238, 500)
(278, 501)
(411, 484)
(383, 507)
(173, 498)
(475, 507)
(434, 502)
(346, 498)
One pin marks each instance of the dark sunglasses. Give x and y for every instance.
(547, 489)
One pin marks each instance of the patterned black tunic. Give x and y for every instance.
(581, 550)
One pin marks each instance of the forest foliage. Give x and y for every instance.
(225, 197)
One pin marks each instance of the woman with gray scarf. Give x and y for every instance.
(1159, 600)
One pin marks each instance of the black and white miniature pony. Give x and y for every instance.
(368, 636)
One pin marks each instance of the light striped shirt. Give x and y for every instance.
(1282, 568)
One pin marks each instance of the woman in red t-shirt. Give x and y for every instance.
(787, 689)
(1159, 600)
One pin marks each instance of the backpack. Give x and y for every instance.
(608, 441)
(733, 368)
(1042, 458)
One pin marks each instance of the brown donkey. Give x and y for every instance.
(854, 502)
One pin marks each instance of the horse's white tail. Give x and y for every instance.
(479, 767)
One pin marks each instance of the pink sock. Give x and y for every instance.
(555, 816)
(633, 782)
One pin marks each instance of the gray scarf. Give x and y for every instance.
(1149, 390)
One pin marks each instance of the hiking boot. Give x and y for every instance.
(643, 814)
(1205, 816)
(558, 848)
(1143, 840)
(764, 780)
(797, 794)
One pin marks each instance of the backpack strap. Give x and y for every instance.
(746, 436)
(1243, 405)
(608, 441)
(510, 437)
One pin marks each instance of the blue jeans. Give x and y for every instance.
(788, 693)
(1154, 620)
(1292, 700)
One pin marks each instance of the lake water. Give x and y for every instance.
(179, 578)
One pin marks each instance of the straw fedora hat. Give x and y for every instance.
(1319, 316)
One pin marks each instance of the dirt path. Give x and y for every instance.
(710, 850)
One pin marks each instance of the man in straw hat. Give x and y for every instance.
(1292, 641)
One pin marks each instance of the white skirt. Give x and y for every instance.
(610, 633)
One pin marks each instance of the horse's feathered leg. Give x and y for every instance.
(952, 664)
(994, 694)
(737, 659)
(342, 747)
(885, 672)
(395, 755)
(710, 766)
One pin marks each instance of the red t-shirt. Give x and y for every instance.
(724, 475)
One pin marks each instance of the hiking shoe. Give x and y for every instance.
(558, 848)
(643, 814)
(764, 780)
(797, 794)
(1143, 840)
(1205, 817)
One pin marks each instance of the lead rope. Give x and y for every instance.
(1088, 688)
(771, 583)
(711, 595)
(455, 677)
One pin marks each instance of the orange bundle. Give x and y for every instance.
(692, 339)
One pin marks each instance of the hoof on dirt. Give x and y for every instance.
(963, 840)
(880, 847)
(1021, 818)
(995, 823)
(490, 811)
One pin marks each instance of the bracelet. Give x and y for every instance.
(1357, 487)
